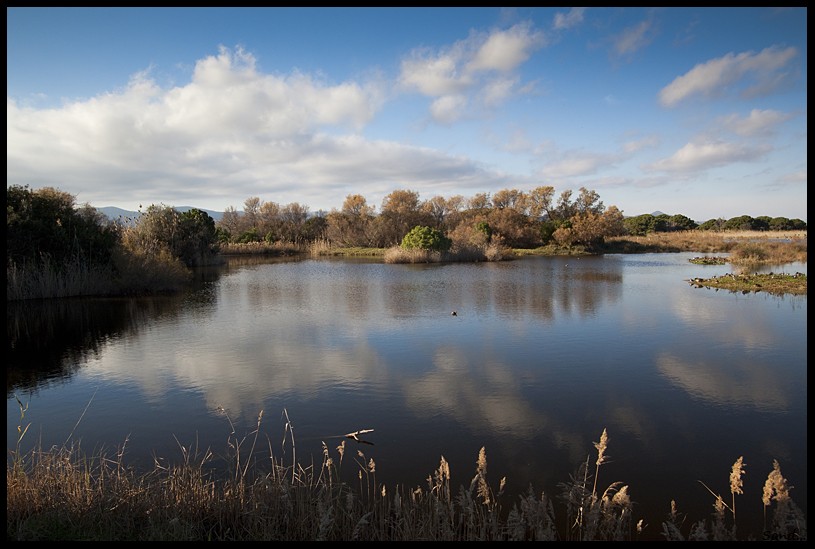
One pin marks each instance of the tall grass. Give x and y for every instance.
(744, 246)
(62, 494)
(485, 252)
(264, 248)
(46, 279)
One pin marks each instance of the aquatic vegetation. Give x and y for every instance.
(63, 494)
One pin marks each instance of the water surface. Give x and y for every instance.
(542, 355)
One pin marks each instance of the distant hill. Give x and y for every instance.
(115, 213)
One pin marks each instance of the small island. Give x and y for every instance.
(774, 283)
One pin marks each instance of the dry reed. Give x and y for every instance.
(62, 494)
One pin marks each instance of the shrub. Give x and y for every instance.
(426, 238)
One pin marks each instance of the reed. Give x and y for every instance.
(744, 246)
(264, 248)
(63, 494)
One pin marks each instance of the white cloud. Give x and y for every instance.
(758, 122)
(570, 19)
(576, 164)
(497, 91)
(231, 131)
(434, 75)
(505, 50)
(448, 109)
(479, 66)
(649, 142)
(717, 76)
(694, 157)
(633, 39)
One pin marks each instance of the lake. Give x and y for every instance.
(542, 354)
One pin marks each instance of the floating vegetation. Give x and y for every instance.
(774, 283)
(708, 260)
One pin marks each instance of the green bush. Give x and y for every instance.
(426, 238)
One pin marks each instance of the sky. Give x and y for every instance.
(693, 111)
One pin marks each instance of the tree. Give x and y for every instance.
(479, 202)
(198, 240)
(437, 208)
(293, 216)
(640, 225)
(251, 208)
(231, 221)
(762, 223)
(510, 198)
(268, 221)
(46, 224)
(400, 211)
(739, 223)
(539, 202)
(357, 205)
(712, 225)
(426, 238)
(680, 222)
(662, 223)
(590, 228)
(352, 226)
(314, 228)
(564, 210)
(588, 201)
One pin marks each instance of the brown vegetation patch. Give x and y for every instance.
(774, 283)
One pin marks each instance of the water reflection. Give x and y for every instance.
(49, 340)
(543, 354)
(727, 385)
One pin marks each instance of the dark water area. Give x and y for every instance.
(542, 354)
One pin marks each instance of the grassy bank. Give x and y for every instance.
(62, 494)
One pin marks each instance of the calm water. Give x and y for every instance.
(543, 354)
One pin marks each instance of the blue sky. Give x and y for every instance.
(693, 111)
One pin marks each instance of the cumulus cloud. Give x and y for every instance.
(435, 74)
(479, 66)
(231, 131)
(694, 157)
(764, 71)
(570, 19)
(505, 50)
(758, 122)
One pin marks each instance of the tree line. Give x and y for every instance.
(46, 227)
(522, 219)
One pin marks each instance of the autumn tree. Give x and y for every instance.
(440, 210)
(400, 212)
(230, 222)
(292, 218)
(510, 198)
(351, 226)
(251, 208)
(269, 221)
(539, 202)
(590, 222)
(479, 202)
